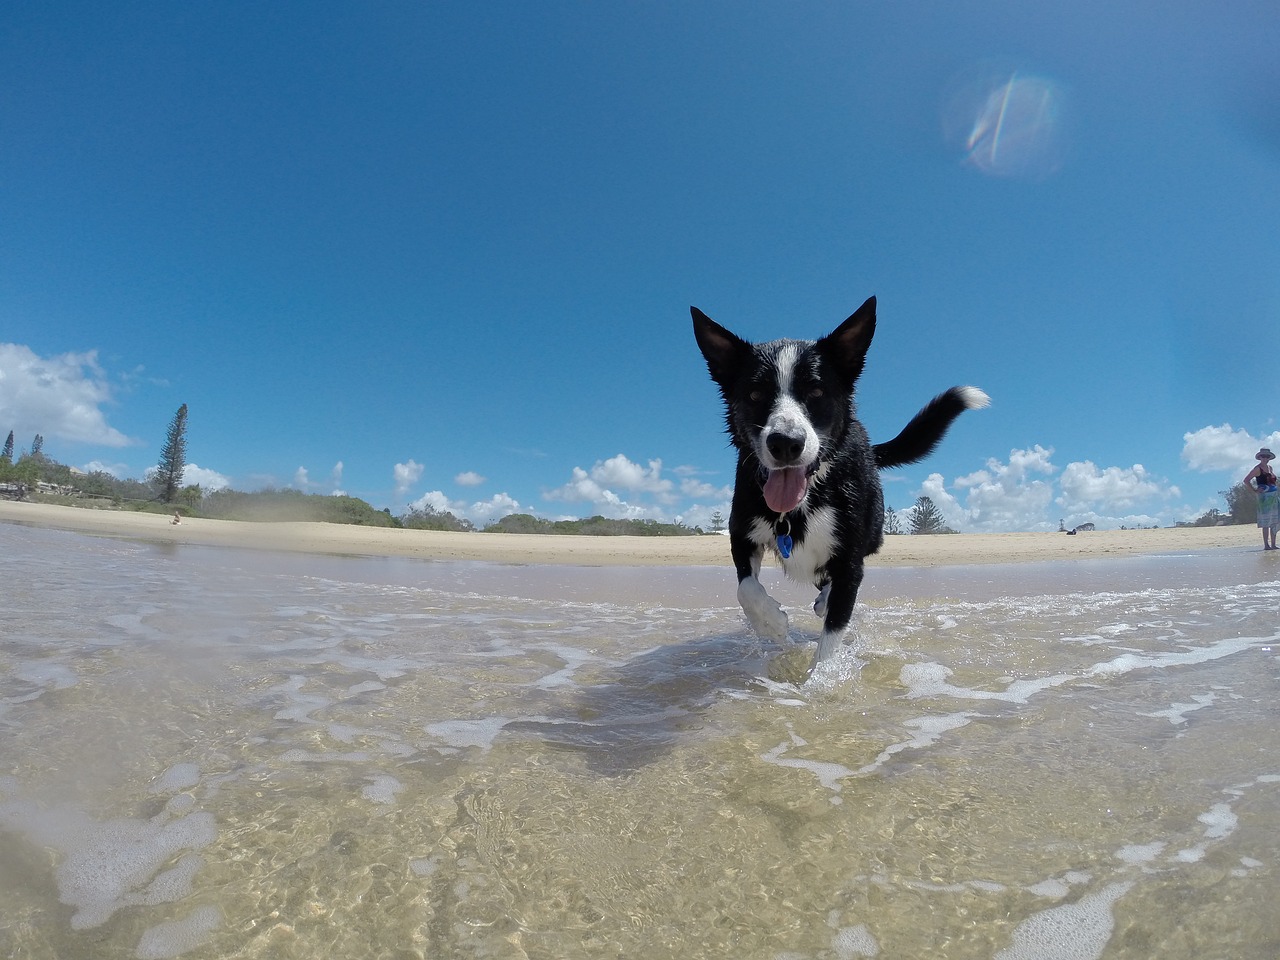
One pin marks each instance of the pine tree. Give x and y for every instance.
(926, 517)
(173, 457)
(7, 456)
(892, 526)
(37, 447)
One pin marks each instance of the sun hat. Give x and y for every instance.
(1264, 454)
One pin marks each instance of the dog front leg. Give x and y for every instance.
(765, 614)
(841, 594)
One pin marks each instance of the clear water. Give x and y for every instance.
(214, 753)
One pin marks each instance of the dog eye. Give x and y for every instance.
(816, 393)
(755, 396)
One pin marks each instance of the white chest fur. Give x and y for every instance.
(808, 554)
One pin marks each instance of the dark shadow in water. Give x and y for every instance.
(639, 713)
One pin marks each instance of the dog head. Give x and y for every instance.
(788, 403)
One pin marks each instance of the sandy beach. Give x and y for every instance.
(348, 540)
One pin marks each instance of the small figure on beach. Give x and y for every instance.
(1263, 481)
(177, 518)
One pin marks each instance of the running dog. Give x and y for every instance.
(807, 487)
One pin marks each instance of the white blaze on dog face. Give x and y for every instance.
(788, 415)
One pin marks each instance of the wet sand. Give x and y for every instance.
(350, 540)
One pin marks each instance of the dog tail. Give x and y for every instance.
(927, 428)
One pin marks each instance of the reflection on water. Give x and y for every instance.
(210, 753)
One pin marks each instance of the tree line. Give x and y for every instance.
(1242, 507)
(164, 484)
(163, 489)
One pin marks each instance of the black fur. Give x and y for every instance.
(789, 409)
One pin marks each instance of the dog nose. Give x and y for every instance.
(783, 447)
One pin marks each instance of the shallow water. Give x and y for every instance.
(215, 753)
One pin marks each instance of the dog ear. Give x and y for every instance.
(846, 346)
(723, 350)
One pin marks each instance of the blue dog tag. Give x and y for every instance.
(784, 545)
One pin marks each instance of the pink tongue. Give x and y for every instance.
(784, 489)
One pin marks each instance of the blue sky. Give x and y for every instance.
(445, 253)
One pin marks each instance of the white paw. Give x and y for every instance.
(765, 614)
(820, 605)
(828, 646)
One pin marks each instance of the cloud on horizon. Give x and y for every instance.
(1221, 448)
(58, 397)
(480, 512)
(302, 481)
(1030, 493)
(209, 480)
(406, 475)
(599, 488)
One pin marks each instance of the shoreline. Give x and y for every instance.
(334, 539)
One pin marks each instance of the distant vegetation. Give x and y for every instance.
(1242, 507)
(278, 505)
(590, 527)
(35, 476)
(428, 518)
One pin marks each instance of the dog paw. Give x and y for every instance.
(828, 646)
(765, 614)
(820, 605)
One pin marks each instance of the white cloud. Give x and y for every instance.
(1111, 490)
(481, 512)
(209, 480)
(495, 508)
(434, 500)
(1004, 496)
(302, 481)
(468, 478)
(618, 471)
(117, 470)
(57, 396)
(580, 488)
(934, 487)
(700, 490)
(1020, 495)
(599, 485)
(1213, 449)
(1024, 492)
(406, 475)
(693, 488)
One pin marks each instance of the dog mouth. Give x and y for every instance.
(786, 488)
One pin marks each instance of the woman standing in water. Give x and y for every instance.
(1263, 480)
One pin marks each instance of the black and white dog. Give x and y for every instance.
(808, 484)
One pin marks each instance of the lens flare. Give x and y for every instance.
(1007, 125)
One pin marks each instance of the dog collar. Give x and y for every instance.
(782, 530)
